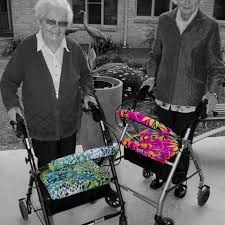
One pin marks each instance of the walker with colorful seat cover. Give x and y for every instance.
(150, 144)
(73, 180)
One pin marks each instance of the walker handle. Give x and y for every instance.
(20, 128)
(142, 95)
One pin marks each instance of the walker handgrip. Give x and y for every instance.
(201, 109)
(92, 106)
(20, 129)
(143, 92)
(95, 111)
(141, 95)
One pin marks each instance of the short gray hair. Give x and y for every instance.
(175, 1)
(43, 6)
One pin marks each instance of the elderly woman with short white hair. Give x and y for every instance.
(55, 78)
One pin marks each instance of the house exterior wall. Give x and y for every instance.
(24, 23)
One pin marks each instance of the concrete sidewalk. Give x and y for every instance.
(14, 183)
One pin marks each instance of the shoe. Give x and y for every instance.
(180, 191)
(157, 183)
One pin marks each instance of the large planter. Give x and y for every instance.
(109, 93)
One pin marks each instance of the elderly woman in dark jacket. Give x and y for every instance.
(186, 66)
(55, 76)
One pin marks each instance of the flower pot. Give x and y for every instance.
(109, 93)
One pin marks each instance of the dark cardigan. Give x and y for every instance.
(47, 117)
(187, 65)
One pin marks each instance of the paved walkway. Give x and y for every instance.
(14, 179)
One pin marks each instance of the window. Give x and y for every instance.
(102, 12)
(153, 7)
(219, 10)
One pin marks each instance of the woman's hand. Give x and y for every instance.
(212, 101)
(12, 113)
(87, 99)
(149, 82)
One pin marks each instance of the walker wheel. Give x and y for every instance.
(203, 195)
(165, 221)
(147, 173)
(123, 220)
(23, 209)
(113, 199)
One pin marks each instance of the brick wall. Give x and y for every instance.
(24, 23)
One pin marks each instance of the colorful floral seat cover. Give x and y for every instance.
(76, 173)
(159, 142)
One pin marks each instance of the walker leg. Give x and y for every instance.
(196, 162)
(158, 217)
(123, 219)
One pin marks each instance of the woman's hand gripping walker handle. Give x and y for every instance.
(19, 126)
(200, 115)
(143, 91)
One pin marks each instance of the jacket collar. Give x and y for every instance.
(173, 14)
(195, 20)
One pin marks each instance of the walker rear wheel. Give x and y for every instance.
(147, 173)
(23, 209)
(113, 199)
(203, 195)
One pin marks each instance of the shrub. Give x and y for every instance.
(136, 63)
(115, 58)
(150, 37)
(102, 47)
(11, 47)
(101, 60)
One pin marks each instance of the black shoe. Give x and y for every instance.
(180, 191)
(155, 184)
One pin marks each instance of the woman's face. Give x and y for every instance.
(53, 25)
(187, 7)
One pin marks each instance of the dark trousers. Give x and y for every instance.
(46, 151)
(178, 122)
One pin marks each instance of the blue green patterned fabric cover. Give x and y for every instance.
(76, 173)
(90, 154)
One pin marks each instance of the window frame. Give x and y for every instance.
(219, 20)
(102, 15)
(152, 9)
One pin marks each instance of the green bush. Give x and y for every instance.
(11, 47)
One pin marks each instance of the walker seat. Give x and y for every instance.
(76, 173)
(158, 143)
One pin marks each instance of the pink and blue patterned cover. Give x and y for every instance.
(76, 173)
(159, 142)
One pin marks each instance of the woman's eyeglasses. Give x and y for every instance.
(52, 22)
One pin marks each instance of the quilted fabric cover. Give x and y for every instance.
(142, 119)
(94, 153)
(74, 179)
(157, 145)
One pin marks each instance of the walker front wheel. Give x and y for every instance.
(23, 209)
(165, 221)
(147, 173)
(203, 195)
(113, 199)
